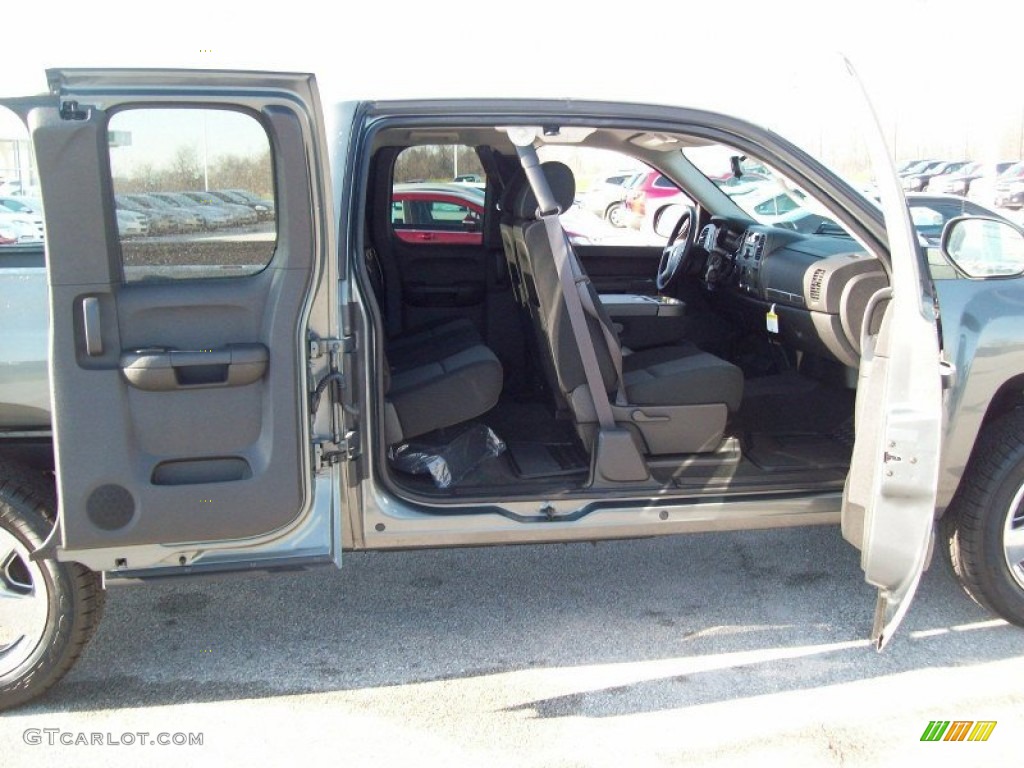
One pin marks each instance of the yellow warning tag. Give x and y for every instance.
(772, 320)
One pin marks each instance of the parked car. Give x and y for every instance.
(131, 224)
(8, 234)
(648, 196)
(188, 220)
(180, 221)
(265, 205)
(264, 209)
(962, 182)
(943, 183)
(160, 222)
(19, 204)
(785, 208)
(26, 213)
(931, 212)
(983, 188)
(26, 222)
(312, 403)
(606, 197)
(238, 214)
(19, 229)
(212, 217)
(252, 197)
(909, 164)
(918, 181)
(437, 213)
(919, 166)
(1008, 191)
(441, 213)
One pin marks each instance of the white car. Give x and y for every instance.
(26, 229)
(606, 196)
(26, 213)
(131, 224)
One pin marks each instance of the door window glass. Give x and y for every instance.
(194, 193)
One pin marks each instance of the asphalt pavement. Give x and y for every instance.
(713, 649)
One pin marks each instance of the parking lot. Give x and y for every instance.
(717, 649)
(712, 649)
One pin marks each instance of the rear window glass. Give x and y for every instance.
(437, 197)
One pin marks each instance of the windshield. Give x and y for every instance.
(761, 192)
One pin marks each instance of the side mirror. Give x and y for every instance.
(736, 165)
(667, 220)
(983, 247)
(471, 223)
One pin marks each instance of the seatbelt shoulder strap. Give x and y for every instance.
(570, 294)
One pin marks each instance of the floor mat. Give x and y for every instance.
(791, 404)
(797, 451)
(534, 460)
(528, 422)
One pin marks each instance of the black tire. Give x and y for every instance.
(974, 524)
(73, 594)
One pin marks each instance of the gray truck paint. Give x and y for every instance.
(981, 322)
(24, 385)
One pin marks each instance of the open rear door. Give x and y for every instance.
(889, 500)
(180, 321)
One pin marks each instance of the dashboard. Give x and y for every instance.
(818, 286)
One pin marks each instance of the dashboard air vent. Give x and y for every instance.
(816, 281)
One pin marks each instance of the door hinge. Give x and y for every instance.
(69, 110)
(329, 452)
(320, 347)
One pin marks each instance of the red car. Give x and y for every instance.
(452, 214)
(442, 214)
(649, 195)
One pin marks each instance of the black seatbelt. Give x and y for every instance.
(548, 212)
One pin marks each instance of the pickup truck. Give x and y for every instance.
(274, 395)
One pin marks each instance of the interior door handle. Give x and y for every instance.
(158, 369)
(92, 326)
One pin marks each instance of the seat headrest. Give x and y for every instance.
(563, 187)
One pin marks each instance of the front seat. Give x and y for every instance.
(677, 398)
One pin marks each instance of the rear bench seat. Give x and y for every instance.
(438, 377)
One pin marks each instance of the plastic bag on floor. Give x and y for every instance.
(450, 458)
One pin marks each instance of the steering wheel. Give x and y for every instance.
(678, 255)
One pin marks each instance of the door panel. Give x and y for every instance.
(441, 282)
(621, 268)
(889, 500)
(180, 412)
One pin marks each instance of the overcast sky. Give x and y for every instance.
(940, 73)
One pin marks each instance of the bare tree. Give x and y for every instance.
(185, 171)
(436, 163)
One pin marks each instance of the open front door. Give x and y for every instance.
(181, 314)
(889, 500)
